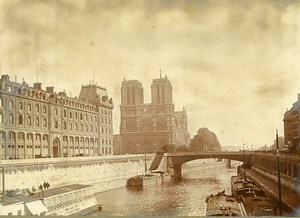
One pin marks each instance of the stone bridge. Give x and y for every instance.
(175, 161)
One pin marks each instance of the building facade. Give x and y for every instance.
(148, 127)
(42, 123)
(292, 126)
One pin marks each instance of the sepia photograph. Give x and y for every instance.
(141, 108)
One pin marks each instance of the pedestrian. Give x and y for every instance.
(45, 185)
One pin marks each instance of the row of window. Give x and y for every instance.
(22, 146)
(37, 110)
(104, 130)
(41, 95)
(104, 142)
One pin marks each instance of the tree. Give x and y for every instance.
(182, 148)
(205, 140)
(167, 148)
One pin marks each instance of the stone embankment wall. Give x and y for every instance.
(104, 173)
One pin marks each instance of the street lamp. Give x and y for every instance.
(244, 160)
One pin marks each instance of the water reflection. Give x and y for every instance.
(185, 198)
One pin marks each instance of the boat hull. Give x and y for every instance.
(149, 179)
(222, 204)
(241, 185)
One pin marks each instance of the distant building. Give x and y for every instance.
(148, 127)
(119, 148)
(42, 123)
(292, 126)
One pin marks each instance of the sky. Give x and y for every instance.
(234, 65)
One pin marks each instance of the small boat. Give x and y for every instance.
(240, 185)
(259, 205)
(146, 179)
(222, 204)
(156, 175)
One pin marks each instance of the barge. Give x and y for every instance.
(222, 204)
(148, 179)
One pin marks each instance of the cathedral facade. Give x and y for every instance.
(42, 123)
(146, 127)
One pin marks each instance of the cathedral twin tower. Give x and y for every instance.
(148, 127)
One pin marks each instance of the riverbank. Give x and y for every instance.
(103, 172)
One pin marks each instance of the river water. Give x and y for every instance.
(185, 198)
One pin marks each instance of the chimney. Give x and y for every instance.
(5, 77)
(50, 89)
(37, 86)
(63, 94)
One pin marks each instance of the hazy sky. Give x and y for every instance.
(233, 64)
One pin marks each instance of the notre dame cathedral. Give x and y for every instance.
(146, 127)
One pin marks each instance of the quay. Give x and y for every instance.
(103, 172)
(290, 198)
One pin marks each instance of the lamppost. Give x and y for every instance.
(244, 160)
(278, 174)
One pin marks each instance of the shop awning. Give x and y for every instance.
(36, 207)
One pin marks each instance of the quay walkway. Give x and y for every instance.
(290, 198)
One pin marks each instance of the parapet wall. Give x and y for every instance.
(104, 173)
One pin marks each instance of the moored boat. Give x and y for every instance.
(222, 204)
(240, 185)
(259, 205)
(147, 179)
(69, 200)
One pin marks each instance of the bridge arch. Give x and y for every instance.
(175, 161)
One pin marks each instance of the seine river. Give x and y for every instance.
(186, 198)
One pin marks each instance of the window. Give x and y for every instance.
(11, 118)
(65, 113)
(44, 109)
(20, 120)
(81, 127)
(80, 116)
(37, 108)
(65, 125)
(29, 121)
(55, 111)
(37, 121)
(76, 115)
(11, 104)
(45, 122)
(56, 124)
(29, 107)
(20, 105)
(1, 118)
